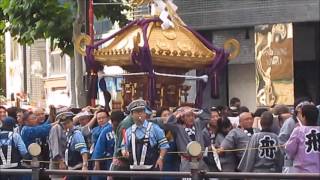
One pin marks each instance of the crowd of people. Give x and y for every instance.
(233, 139)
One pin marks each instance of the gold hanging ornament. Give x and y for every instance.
(233, 46)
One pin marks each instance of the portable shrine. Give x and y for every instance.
(156, 51)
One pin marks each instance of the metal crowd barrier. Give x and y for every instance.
(158, 174)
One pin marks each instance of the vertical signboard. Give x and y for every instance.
(274, 64)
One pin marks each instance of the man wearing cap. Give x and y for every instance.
(76, 154)
(12, 148)
(143, 140)
(57, 144)
(119, 163)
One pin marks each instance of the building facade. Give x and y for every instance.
(39, 75)
(220, 20)
(35, 74)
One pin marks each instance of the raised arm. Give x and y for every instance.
(172, 124)
(160, 121)
(52, 113)
(92, 121)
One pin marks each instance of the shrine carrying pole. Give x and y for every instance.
(187, 77)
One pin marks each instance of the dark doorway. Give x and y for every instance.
(307, 61)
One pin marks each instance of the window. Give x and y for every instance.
(57, 64)
(14, 50)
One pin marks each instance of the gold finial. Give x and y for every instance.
(233, 46)
(81, 42)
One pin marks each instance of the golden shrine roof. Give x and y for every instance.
(170, 42)
(174, 47)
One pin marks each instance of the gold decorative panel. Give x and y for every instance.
(274, 64)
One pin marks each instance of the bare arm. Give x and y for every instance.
(159, 163)
(163, 153)
(92, 121)
(52, 113)
(85, 161)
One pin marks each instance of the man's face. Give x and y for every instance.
(84, 121)
(67, 125)
(237, 104)
(214, 118)
(139, 116)
(226, 130)
(102, 118)
(32, 120)
(19, 118)
(246, 120)
(3, 114)
(40, 115)
(189, 119)
(165, 113)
